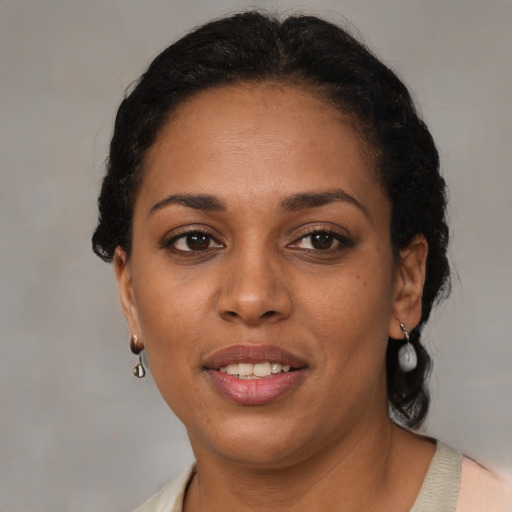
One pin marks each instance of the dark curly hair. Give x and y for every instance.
(304, 51)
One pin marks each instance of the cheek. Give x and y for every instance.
(173, 318)
(172, 326)
(350, 314)
(357, 291)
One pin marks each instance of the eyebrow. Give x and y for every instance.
(205, 202)
(305, 201)
(297, 202)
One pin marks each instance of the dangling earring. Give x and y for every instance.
(138, 370)
(407, 358)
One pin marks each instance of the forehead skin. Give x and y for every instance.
(260, 126)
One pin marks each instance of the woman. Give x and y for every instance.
(276, 217)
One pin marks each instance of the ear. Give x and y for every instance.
(124, 284)
(408, 287)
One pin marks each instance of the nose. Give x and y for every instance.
(254, 290)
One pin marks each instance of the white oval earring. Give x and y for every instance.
(407, 358)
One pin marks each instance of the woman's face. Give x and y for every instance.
(261, 241)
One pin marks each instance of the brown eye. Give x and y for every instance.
(321, 240)
(197, 241)
(193, 241)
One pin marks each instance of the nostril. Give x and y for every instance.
(267, 314)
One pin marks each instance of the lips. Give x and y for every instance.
(254, 374)
(253, 354)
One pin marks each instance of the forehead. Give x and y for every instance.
(257, 141)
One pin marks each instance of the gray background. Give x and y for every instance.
(77, 431)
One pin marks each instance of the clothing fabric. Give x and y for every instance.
(440, 491)
(170, 498)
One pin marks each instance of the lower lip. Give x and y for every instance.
(255, 391)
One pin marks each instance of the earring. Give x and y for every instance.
(407, 358)
(138, 370)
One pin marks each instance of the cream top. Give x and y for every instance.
(453, 483)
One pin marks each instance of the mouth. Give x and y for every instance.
(254, 374)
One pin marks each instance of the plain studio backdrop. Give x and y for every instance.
(77, 431)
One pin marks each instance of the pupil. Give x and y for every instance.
(198, 242)
(321, 240)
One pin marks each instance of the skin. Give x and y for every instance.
(262, 280)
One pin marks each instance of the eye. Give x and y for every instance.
(193, 241)
(321, 240)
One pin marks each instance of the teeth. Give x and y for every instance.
(245, 369)
(276, 368)
(254, 371)
(261, 369)
(231, 369)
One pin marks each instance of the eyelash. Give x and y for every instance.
(171, 243)
(341, 242)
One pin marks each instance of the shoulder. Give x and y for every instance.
(170, 497)
(483, 490)
(459, 484)
(440, 488)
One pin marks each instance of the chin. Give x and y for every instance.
(261, 442)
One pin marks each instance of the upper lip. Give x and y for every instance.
(252, 354)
